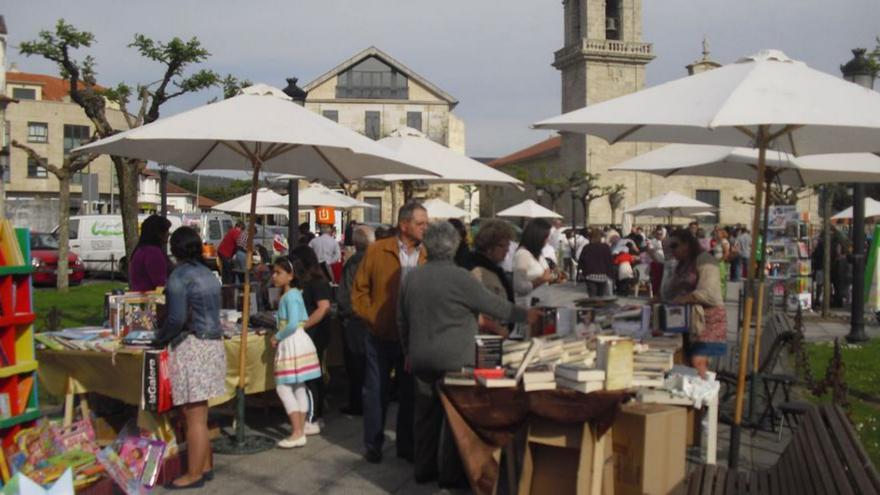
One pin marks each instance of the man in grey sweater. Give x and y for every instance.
(437, 315)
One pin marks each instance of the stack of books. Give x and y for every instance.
(580, 377)
(615, 357)
(577, 351)
(488, 351)
(513, 352)
(538, 378)
(494, 378)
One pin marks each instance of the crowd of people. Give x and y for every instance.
(410, 300)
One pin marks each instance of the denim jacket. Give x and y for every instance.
(192, 303)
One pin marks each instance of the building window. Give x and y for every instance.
(331, 114)
(373, 79)
(373, 125)
(612, 19)
(75, 135)
(77, 178)
(373, 215)
(24, 93)
(713, 197)
(414, 120)
(38, 132)
(35, 171)
(4, 166)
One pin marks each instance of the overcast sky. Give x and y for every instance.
(492, 55)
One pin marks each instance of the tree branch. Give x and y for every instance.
(41, 161)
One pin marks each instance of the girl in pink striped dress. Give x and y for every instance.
(296, 360)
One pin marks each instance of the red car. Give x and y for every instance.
(44, 258)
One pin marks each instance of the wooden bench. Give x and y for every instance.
(823, 457)
(777, 333)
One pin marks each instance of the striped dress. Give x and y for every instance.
(296, 360)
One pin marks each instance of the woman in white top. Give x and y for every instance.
(531, 272)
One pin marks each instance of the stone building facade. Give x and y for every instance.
(44, 118)
(375, 94)
(604, 57)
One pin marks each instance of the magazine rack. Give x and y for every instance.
(18, 364)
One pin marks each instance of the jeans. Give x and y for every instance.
(597, 289)
(735, 268)
(382, 357)
(355, 361)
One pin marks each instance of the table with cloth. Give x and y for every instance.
(118, 375)
(485, 420)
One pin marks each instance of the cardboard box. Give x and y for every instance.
(649, 449)
(559, 460)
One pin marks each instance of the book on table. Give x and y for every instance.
(616, 358)
(583, 387)
(538, 374)
(459, 379)
(538, 386)
(496, 382)
(579, 373)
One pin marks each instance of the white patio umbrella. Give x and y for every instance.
(413, 146)
(704, 214)
(437, 208)
(528, 209)
(262, 132)
(872, 209)
(765, 101)
(730, 162)
(670, 204)
(321, 195)
(266, 200)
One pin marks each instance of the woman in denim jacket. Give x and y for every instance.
(197, 359)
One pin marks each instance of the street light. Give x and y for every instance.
(539, 192)
(858, 71)
(298, 95)
(573, 243)
(574, 191)
(163, 188)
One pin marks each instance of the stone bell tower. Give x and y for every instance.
(604, 57)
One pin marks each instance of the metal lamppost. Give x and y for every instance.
(574, 191)
(573, 243)
(539, 192)
(858, 71)
(298, 95)
(163, 188)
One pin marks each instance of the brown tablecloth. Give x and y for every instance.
(484, 420)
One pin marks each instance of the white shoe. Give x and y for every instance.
(289, 443)
(312, 429)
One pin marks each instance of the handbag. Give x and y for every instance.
(697, 321)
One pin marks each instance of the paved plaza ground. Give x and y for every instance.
(332, 463)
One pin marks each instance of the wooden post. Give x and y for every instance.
(762, 139)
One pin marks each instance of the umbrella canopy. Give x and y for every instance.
(670, 204)
(266, 200)
(806, 111)
(233, 134)
(730, 162)
(528, 209)
(437, 208)
(412, 146)
(872, 209)
(320, 195)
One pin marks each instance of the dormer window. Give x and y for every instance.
(24, 93)
(372, 79)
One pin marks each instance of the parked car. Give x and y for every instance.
(44, 259)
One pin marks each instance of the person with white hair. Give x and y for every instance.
(326, 247)
(437, 320)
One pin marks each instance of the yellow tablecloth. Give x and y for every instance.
(119, 376)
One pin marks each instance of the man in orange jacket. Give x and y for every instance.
(374, 298)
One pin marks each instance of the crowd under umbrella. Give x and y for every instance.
(731, 162)
(263, 132)
(766, 101)
(437, 208)
(670, 204)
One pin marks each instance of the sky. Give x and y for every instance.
(494, 56)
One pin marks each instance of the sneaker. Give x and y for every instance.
(289, 443)
(312, 428)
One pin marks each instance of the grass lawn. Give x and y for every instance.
(862, 373)
(81, 306)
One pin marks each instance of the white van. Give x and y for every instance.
(99, 241)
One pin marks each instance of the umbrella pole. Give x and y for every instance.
(735, 432)
(759, 320)
(241, 443)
